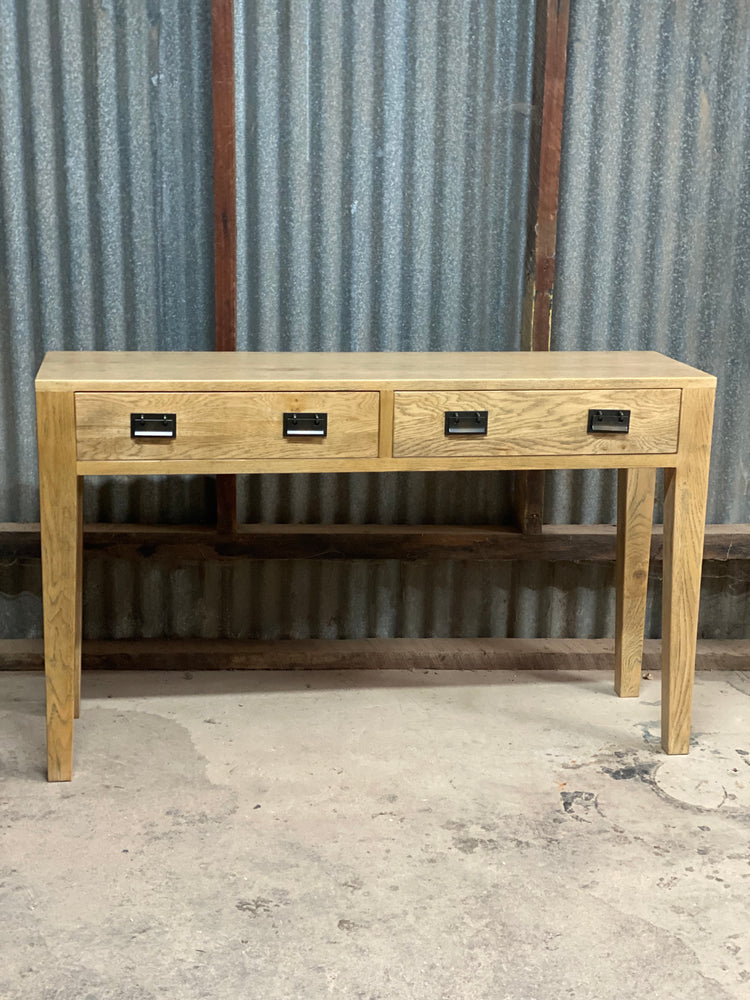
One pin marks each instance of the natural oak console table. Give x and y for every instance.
(109, 413)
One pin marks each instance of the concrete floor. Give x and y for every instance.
(375, 835)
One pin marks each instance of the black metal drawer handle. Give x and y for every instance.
(609, 421)
(306, 425)
(465, 422)
(153, 425)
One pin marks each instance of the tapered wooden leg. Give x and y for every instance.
(685, 491)
(60, 493)
(79, 600)
(635, 514)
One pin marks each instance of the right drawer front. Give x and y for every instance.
(546, 422)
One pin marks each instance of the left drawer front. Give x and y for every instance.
(225, 425)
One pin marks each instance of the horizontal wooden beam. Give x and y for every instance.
(369, 654)
(566, 543)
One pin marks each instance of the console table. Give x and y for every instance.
(126, 413)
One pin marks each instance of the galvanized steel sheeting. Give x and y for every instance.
(382, 157)
(106, 209)
(654, 223)
(382, 163)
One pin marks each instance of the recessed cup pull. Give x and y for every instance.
(306, 425)
(465, 422)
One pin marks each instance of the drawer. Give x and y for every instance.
(546, 422)
(225, 425)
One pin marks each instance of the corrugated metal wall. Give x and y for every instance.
(381, 197)
(106, 210)
(654, 225)
(382, 164)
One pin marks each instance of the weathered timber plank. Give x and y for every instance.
(561, 543)
(225, 216)
(346, 654)
(545, 142)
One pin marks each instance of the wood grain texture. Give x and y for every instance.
(530, 422)
(548, 92)
(385, 441)
(635, 515)
(226, 425)
(556, 655)
(79, 600)
(557, 543)
(685, 494)
(538, 408)
(225, 202)
(205, 371)
(545, 140)
(541, 248)
(528, 501)
(225, 217)
(436, 463)
(60, 495)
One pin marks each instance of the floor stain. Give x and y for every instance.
(578, 805)
(467, 845)
(643, 772)
(256, 907)
(349, 925)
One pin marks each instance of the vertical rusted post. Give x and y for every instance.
(548, 93)
(225, 216)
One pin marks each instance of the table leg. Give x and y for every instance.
(60, 502)
(685, 492)
(635, 514)
(79, 600)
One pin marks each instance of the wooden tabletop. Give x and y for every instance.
(214, 371)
